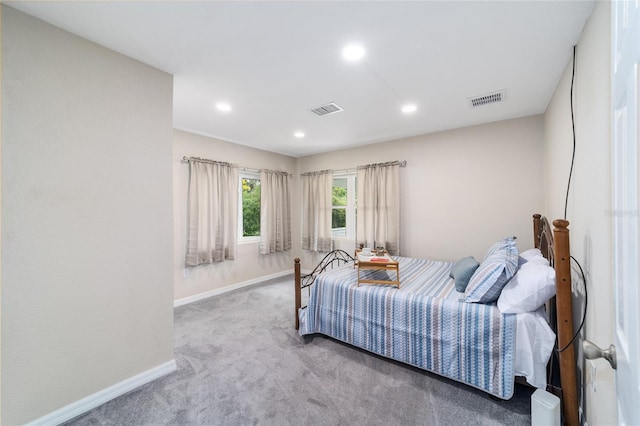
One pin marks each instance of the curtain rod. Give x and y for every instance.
(319, 172)
(352, 170)
(186, 159)
(388, 163)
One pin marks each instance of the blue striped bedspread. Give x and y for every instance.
(422, 324)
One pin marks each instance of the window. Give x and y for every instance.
(343, 216)
(249, 209)
(339, 213)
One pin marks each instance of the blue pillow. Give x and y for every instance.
(498, 267)
(462, 271)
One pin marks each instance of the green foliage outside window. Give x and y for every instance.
(250, 207)
(339, 218)
(339, 198)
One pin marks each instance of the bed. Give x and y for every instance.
(431, 325)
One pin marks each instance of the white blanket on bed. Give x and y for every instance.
(534, 344)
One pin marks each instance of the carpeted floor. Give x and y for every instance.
(240, 362)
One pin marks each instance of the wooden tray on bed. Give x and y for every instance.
(378, 263)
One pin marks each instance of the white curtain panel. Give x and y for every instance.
(317, 189)
(275, 212)
(213, 212)
(378, 216)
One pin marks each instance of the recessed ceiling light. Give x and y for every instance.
(223, 106)
(409, 108)
(299, 134)
(353, 52)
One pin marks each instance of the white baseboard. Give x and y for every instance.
(92, 401)
(218, 291)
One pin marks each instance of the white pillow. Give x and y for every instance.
(534, 255)
(529, 289)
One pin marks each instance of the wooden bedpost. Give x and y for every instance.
(564, 303)
(536, 230)
(296, 271)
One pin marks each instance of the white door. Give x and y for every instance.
(625, 68)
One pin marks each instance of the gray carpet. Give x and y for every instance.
(240, 362)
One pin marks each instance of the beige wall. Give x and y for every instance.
(590, 196)
(461, 190)
(249, 265)
(86, 240)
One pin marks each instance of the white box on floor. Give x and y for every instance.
(545, 409)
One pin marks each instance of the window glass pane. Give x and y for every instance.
(343, 202)
(340, 192)
(339, 218)
(250, 207)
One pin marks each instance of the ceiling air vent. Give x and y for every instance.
(490, 98)
(327, 109)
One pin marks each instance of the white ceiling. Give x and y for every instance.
(273, 61)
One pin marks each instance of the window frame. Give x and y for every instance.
(241, 237)
(350, 207)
